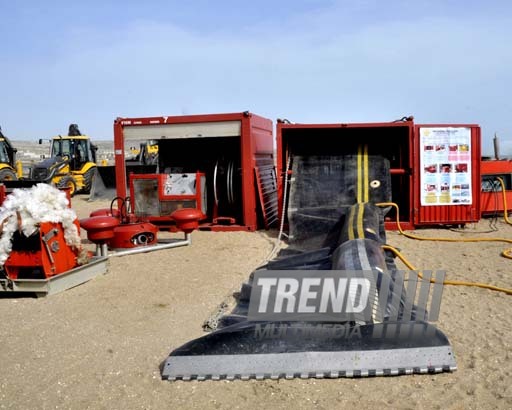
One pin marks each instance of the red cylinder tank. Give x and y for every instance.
(99, 228)
(187, 219)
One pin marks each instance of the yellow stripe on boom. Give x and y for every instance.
(366, 182)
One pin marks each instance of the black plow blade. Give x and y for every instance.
(273, 350)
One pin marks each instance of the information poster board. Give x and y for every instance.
(445, 166)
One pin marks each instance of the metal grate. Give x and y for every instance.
(267, 190)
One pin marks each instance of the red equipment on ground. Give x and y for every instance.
(100, 230)
(41, 255)
(45, 263)
(133, 235)
(187, 219)
(120, 229)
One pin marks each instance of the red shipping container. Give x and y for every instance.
(228, 148)
(450, 201)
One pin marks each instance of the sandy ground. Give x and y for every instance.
(100, 344)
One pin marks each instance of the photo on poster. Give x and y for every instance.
(461, 167)
(430, 168)
(445, 168)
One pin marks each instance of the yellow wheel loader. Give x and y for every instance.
(72, 162)
(10, 169)
(146, 154)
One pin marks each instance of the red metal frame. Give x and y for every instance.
(3, 194)
(161, 178)
(492, 202)
(448, 214)
(256, 144)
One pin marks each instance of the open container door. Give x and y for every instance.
(392, 140)
(447, 174)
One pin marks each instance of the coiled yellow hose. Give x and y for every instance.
(396, 252)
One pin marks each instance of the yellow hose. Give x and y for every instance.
(400, 256)
(504, 194)
(505, 253)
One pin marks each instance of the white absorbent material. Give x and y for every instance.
(41, 203)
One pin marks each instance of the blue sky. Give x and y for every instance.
(309, 61)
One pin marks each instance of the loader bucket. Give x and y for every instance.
(20, 183)
(336, 231)
(104, 182)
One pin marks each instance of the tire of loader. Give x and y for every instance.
(88, 179)
(7, 175)
(68, 182)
